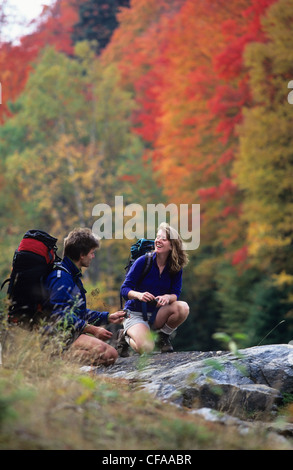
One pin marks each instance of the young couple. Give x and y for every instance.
(159, 291)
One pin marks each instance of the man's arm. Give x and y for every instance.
(66, 302)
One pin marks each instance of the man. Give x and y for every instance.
(68, 302)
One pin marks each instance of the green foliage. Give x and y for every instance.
(76, 151)
(146, 119)
(264, 166)
(8, 399)
(269, 306)
(230, 342)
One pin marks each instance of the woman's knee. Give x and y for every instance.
(141, 339)
(144, 345)
(180, 310)
(183, 308)
(179, 314)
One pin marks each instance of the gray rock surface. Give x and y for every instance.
(252, 381)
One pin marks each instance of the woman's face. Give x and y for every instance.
(162, 244)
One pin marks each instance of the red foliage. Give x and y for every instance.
(53, 28)
(184, 61)
(129, 178)
(240, 256)
(14, 66)
(190, 100)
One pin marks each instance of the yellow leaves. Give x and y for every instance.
(85, 51)
(262, 235)
(264, 162)
(88, 391)
(72, 133)
(282, 279)
(20, 168)
(99, 391)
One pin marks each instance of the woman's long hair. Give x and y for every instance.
(178, 257)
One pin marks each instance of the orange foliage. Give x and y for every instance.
(184, 61)
(14, 71)
(54, 27)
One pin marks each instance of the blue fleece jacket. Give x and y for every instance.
(68, 299)
(153, 282)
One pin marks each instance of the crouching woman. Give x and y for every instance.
(152, 302)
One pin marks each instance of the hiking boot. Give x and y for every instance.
(122, 346)
(164, 343)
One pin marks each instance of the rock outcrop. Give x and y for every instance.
(253, 381)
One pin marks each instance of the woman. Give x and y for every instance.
(159, 291)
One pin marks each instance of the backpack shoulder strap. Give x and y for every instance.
(58, 267)
(147, 266)
(76, 279)
(4, 282)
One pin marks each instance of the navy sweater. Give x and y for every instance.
(68, 300)
(153, 282)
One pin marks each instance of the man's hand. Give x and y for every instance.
(98, 331)
(116, 317)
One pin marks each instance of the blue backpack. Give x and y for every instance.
(142, 247)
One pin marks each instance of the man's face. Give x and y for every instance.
(85, 260)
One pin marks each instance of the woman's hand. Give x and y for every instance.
(163, 299)
(145, 296)
(142, 296)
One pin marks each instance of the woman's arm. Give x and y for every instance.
(142, 296)
(166, 299)
(130, 282)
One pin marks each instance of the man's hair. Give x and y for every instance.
(78, 242)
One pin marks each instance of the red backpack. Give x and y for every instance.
(32, 262)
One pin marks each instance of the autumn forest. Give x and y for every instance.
(160, 101)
